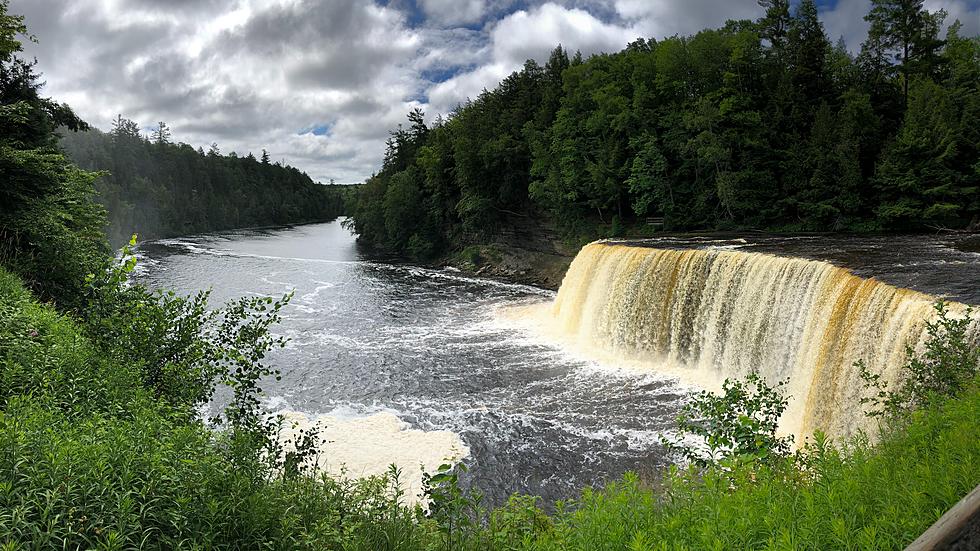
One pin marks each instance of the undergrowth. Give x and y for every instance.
(94, 455)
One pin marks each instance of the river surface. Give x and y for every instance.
(443, 352)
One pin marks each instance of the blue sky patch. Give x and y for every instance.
(324, 129)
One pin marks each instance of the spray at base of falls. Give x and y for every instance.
(708, 315)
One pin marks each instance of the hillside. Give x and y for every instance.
(156, 188)
(761, 124)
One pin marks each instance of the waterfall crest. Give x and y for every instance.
(718, 314)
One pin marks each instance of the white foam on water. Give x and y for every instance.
(363, 446)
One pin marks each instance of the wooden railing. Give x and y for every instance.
(958, 529)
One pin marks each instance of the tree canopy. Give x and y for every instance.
(157, 188)
(755, 125)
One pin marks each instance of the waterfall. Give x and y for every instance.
(714, 314)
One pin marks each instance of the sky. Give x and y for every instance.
(320, 83)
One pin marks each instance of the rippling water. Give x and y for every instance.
(431, 347)
(443, 352)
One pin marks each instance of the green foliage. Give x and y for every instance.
(758, 124)
(947, 367)
(739, 423)
(850, 497)
(51, 233)
(93, 449)
(90, 455)
(99, 443)
(157, 188)
(455, 511)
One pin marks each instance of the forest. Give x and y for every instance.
(154, 187)
(763, 125)
(103, 445)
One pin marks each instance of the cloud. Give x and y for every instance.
(450, 12)
(661, 18)
(846, 20)
(251, 75)
(534, 34)
(530, 34)
(966, 12)
(254, 74)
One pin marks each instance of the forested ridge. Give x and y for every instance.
(157, 188)
(761, 124)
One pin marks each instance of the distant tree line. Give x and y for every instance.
(158, 188)
(759, 124)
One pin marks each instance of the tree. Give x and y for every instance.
(775, 25)
(808, 50)
(752, 125)
(648, 182)
(265, 157)
(905, 30)
(123, 128)
(50, 229)
(402, 203)
(168, 189)
(920, 176)
(161, 135)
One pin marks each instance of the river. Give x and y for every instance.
(443, 352)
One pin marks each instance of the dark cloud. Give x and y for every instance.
(307, 24)
(348, 72)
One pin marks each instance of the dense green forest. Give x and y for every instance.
(102, 445)
(760, 124)
(158, 188)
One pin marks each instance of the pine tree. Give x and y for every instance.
(808, 50)
(161, 135)
(775, 25)
(905, 30)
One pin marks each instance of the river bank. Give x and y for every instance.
(512, 264)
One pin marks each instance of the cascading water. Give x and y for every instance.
(403, 364)
(713, 314)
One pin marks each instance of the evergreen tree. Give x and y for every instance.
(159, 189)
(51, 232)
(161, 135)
(753, 125)
(809, 49)
(775, 25)
(906, 31)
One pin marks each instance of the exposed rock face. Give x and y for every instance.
(523, 251)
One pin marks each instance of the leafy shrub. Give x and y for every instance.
(92, 456)
(455, 510)
(851, 496)
(46, 356)
(951, 361)
(741, 421)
